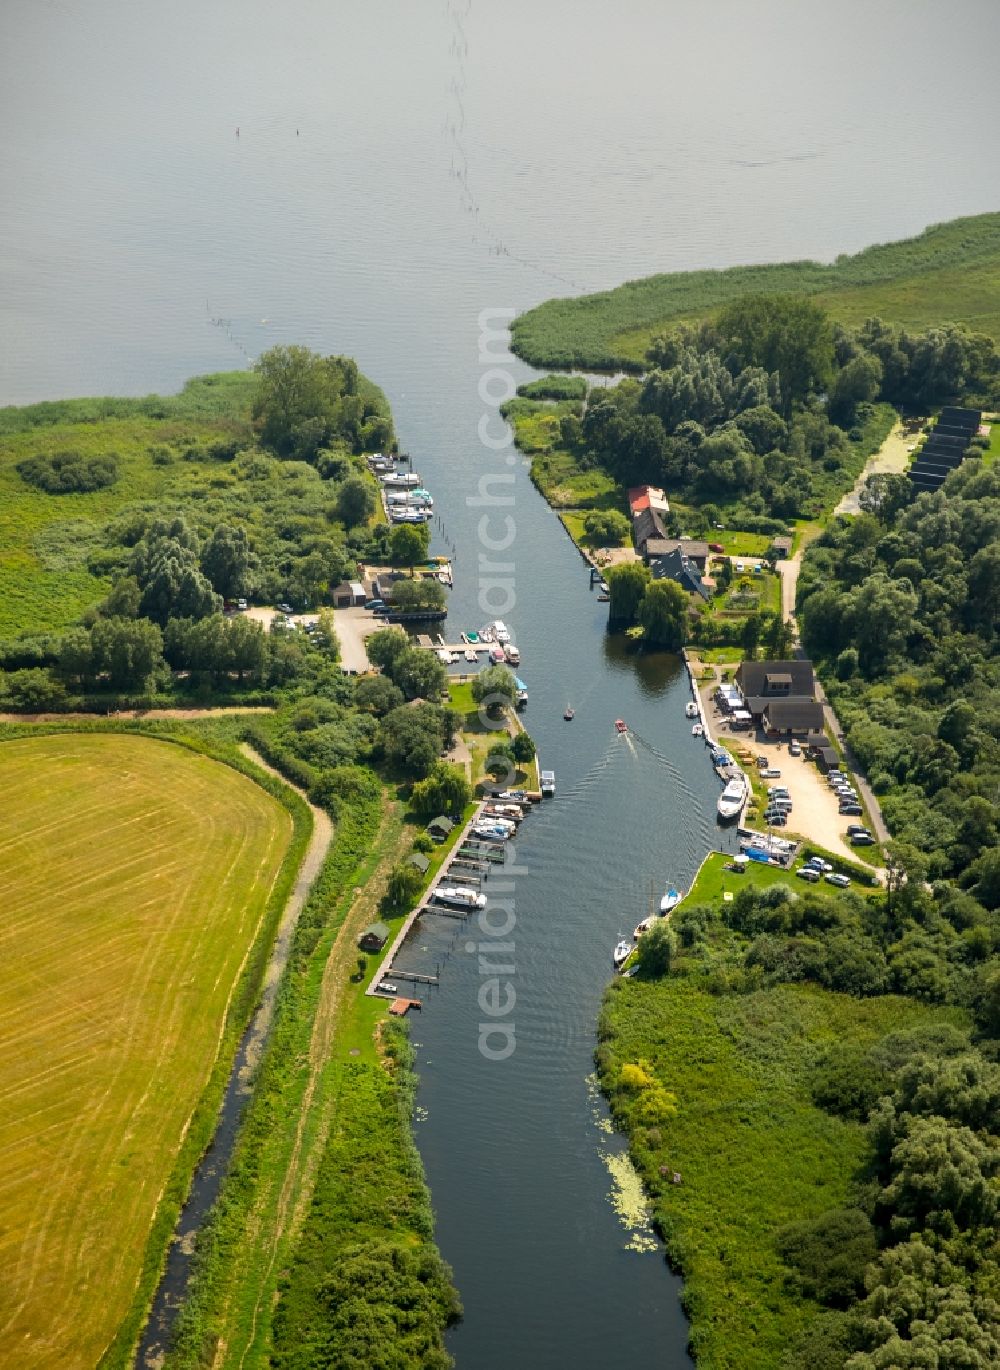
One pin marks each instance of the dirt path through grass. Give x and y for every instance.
(269, 1233)
(312, 862)
(893, 455)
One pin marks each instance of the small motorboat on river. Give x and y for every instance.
(620, 725)
(691, 709)
(698, 730)
(569, 714)
(621, 953)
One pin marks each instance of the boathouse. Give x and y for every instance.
(784, 691)
(440, 827)
(374, 937)
(419, 861)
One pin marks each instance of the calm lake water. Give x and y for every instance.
(398, 169)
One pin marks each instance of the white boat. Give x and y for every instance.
(444, 656)
(460, 897)
(501, 633)
(511, 655)
(732, 798)
(513, 813)
(621, 953)
(642, 927)
(698, 730)
(691, 709)
(402, 480)
(670, 900)
(548, 783)
(492, 832)
(470, 654)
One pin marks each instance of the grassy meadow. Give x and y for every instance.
(46, 541)
(753, 1150)
(950, 271)
(149, 870)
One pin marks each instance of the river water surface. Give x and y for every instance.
(397, 170)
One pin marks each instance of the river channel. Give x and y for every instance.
(191, 184)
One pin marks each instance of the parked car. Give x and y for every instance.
(861, 839)
(241, 604)
(772, 773)
(775, 818)
(781, 802)
(286, 608)
(835, 878)
(855, 827)
(716, 547)
(809, 873)
(855, 810)
(819, 864)
(375, 604)
(778, 792)
(794, 748)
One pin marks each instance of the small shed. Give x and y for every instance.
(781, 548)
(827, 758)
(440, 827)
(420, 861)
(374, 937)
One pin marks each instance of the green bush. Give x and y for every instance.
(62, 473)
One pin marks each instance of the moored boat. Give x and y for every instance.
(691, 709)
(642, 927)
(547, 780)
(461, 898)
(698, 730)
(496, 655)
(670, 900)
(492, 831)
(511, 655)
(621, 953)
(470, 654)
(732, 798)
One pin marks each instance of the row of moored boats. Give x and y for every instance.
(623, 948)
(406, 499)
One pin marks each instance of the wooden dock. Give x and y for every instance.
(386, 970)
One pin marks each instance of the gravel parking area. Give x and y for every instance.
(816, 813)
(352, 627)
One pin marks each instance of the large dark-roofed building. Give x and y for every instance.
(779, 679)
(781, 695)
(792, 716)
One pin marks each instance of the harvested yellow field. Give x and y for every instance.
(133, 879)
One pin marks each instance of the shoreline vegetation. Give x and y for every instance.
(134, 527)
(951, 272)
(808, 1079)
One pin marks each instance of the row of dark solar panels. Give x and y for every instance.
(945, 448)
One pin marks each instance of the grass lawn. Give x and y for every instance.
(753, 1150)
(736, 544)
(574, 523)
(134, 879)
(479, 739)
